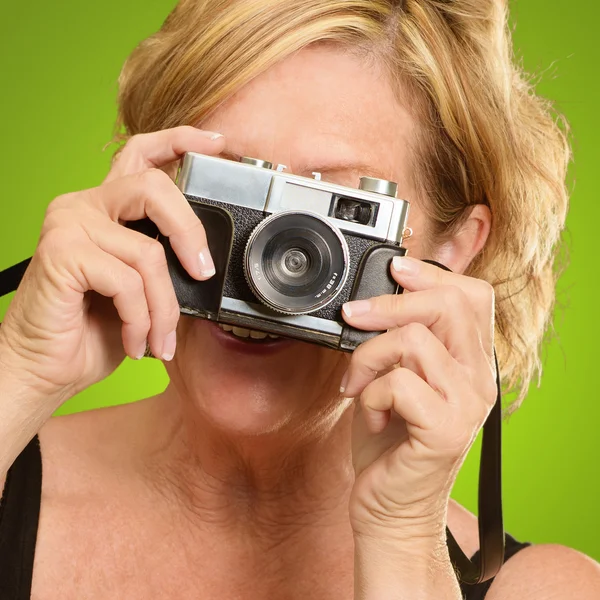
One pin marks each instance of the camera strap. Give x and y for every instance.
(489, 501)
(11, 277)
(489, 505)
(491, 527)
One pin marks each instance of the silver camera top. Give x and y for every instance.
(371, 211)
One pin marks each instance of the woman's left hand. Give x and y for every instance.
(423, 390)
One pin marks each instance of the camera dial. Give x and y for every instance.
(296, 262)
(378, 186)
(257, 162)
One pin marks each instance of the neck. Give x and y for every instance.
(268, 485)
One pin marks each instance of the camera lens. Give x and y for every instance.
(296, 262)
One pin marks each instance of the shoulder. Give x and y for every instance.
(87, 447)
(547, 572)
(543, 572)
(78, 433)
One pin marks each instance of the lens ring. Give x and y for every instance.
(312, 246)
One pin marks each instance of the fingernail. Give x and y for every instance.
(169, 346)
(403, 264)
(344, 383)
(140, 354)
(216, 136)
(356, 308)
(207, 267)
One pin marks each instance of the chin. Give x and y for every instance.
(249, 389)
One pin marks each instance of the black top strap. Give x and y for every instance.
(19, 518)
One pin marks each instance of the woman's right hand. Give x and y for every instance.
(96, 290)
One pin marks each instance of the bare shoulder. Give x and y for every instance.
(78, 445)
(547, 572)
(65, 440)
(542, 572)
(79, 431)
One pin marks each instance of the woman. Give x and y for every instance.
(255, 474)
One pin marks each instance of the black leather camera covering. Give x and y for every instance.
(373, 279)
(204, 297)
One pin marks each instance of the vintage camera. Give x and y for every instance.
(288, 250)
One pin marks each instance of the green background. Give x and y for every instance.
(59, 62)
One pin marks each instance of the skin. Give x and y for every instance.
(255, 476)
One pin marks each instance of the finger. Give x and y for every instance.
(413, 347)
(445, 311)
(415, 275)
(107, 275)
(158, 149)
(405, 393)
(147, 257)
(152, 194)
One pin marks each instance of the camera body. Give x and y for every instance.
(289, 251)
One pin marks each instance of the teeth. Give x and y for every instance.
(257, 335)
(245, 333)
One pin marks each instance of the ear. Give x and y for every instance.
(458, 252)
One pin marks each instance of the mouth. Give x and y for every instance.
(248, 341)
(250, 335)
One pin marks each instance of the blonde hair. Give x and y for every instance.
(485, 136)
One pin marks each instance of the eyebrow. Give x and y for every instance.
(343, 165)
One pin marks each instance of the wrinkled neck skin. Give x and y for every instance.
(269, 487)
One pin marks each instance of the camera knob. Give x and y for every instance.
(257, 162)
(378, 186)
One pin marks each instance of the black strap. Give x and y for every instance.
(11, 277)
(19, 518)
(491, 524)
